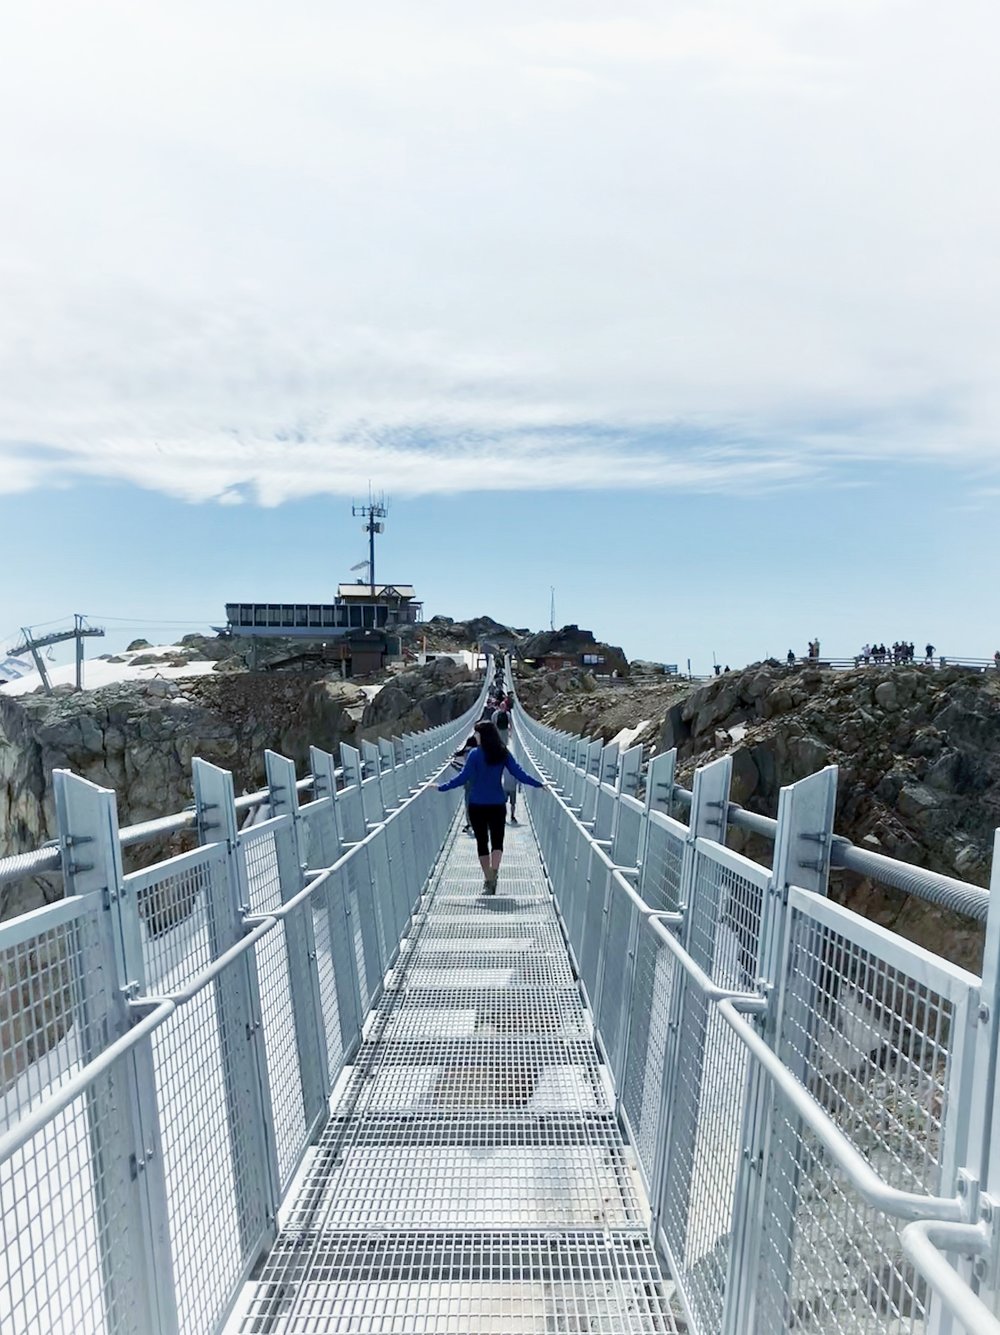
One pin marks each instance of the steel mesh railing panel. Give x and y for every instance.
(175, 905)
(663, 863)
(261, 853)
(371, 800)
(208, 1218)
(386, 902)
(725, 914)
(628, 833)
(604, 813)
(358, 889)
(593, 926)
(284, 1074)
(874, 1045)
(321, 905)
(64, 1204)
(645, 1054)
(588, 800)
(318, 823)
(703, 1156)
(46, 969)
(616, 976)
(352, 813)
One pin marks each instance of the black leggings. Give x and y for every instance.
(488, 824)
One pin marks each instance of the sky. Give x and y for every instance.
(690, 312)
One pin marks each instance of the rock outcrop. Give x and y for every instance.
(140, 738)
(423, 697)
(573, 643)
(918, 752)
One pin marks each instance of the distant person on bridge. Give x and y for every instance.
(928, 653)
(484, 769)
(790, 658)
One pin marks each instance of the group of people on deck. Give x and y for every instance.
(490, 775)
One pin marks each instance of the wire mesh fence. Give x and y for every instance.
(162, 1034)
(780, 1187)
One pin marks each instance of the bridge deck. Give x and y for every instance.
(472, 1178)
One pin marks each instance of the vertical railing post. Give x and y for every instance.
(345, 960)
(371, 788)
(631, 770)
(300, 941)
(351, 805)
(253, 1156)
(970, 1134)
(125, 1144)
(660, 774)
(802, 846)
(324, 773)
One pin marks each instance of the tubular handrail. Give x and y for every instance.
(856, 1168)
(923, 1241)
(17, 1136)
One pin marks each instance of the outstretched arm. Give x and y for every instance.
(465, 775)
(521, 774)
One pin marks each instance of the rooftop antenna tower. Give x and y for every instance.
(552, 607)
(373, 513)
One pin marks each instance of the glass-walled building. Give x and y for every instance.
(353, 609)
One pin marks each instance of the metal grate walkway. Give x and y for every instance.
(473, 1178)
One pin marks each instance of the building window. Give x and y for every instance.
(369, 611)
(356, 617)
(593, 660)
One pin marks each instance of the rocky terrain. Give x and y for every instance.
(918, 751)
(139, 737)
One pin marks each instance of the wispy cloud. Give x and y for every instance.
(254, 257)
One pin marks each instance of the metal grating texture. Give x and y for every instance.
(874, 1034)
(473, 1177)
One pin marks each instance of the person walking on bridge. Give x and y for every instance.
(485, 768)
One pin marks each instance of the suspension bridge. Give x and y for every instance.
(305, 1077)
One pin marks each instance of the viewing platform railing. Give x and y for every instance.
(811, 1097)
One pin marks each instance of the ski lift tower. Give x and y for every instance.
(32, 644)
(373, 513)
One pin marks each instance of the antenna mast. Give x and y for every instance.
(552, 607)
(372, 513)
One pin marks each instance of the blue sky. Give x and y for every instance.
(688, 310)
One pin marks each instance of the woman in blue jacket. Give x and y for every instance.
(484, 770)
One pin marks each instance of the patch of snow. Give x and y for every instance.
(738, 731)
(99, 672)
(372, 691)
(627, 736)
